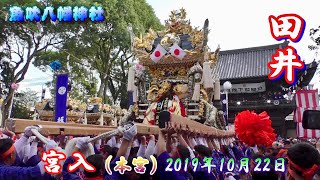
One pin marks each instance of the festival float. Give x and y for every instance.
(180, 65)
(94, 113)
(45, 110)
(98, 113)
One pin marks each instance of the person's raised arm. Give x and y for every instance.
(127, 139)
(210, 145)
(129, 150)
(151, 147)
(182, 140)
(161, 144)
(142, 147)
(9, 133)
(128, 136)
(187, 139)
(163, 157)
(118, 143)
(169, 144)
(184, 144)
(193, 142)
(24, 141)
(81, 145)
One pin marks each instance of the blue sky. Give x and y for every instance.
(234, 24)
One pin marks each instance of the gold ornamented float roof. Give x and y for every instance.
(178, 30)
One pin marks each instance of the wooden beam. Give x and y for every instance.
(55, 128)
(196, 127)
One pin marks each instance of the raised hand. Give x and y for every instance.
(130, 133)
(7, 132)
(28, 130)
(82, 143)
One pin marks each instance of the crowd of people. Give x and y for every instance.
(21, 157)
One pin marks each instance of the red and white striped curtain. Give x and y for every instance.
(306, 100)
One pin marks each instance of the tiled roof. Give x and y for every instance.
(245, 63)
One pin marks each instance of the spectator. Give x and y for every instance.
(303, 161)
(95, 160)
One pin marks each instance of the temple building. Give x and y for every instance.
(247, 71)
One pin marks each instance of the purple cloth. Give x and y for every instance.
(75, 175)
(248, 153)
(33, 161)
(96, 151)
(202, 173)
(237, 152)
(67, 175)
(115, 174)
(19, 173)
(162, 164)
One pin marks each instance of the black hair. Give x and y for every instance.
(130, 174)
(225, 150)
(40, 144)
(5, 144)
(304, 155)
(95, 160)
(203, 150)
(114, 152)
(262, 148)
(130, 162)
(183, 152)
(107, 149)
(286, 142)
(273, 151)
(134, 151)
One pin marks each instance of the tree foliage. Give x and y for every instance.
(22, 104)
(104, 49)
(21, 42)
(315, 37)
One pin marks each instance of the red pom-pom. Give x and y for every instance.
(254, 129)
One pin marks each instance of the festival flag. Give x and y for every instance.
(224, 102)
(158, 53)
(130, 98)
(306, 100)
(61, 98)
(177, 52)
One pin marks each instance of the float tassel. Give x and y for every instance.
(217, 90)
(196, 93)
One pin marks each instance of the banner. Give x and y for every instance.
(61, 98)
(130, 98)
(247, 88)
(224, 103)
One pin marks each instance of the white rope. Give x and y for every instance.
(40, 136)
(104, 135)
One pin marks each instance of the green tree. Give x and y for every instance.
(104, 49)
(21, 42)
(315, 37)
(23, 102)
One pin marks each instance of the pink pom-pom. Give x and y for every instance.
(139, 67)
(14, 86)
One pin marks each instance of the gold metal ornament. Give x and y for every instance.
(165, 87)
